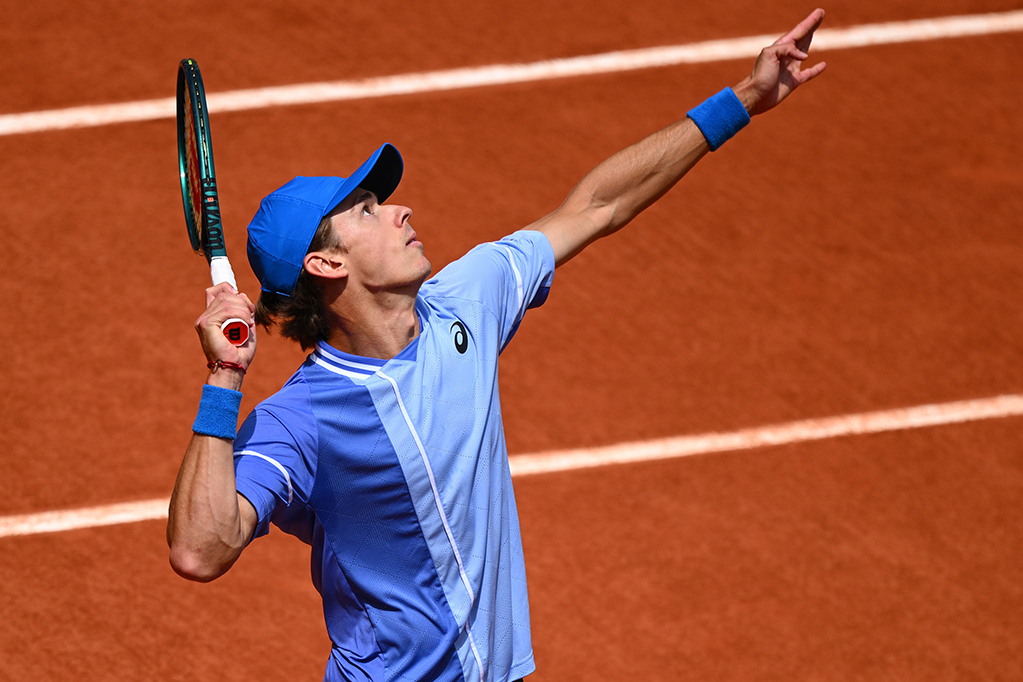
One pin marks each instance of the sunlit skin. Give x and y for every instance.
(370, 283)
(381, 251)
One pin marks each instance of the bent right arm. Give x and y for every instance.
(209, 523)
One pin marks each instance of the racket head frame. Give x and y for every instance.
(195, 164)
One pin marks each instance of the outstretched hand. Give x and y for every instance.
(779, 68)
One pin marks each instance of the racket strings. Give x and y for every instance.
(193, 175)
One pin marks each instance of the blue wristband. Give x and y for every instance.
(720, 117)
(218, 412)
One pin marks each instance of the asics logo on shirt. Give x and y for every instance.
(461, 337)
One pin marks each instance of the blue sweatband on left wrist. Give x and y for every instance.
(218, 412)
(720, 117)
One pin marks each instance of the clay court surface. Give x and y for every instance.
(857, 250)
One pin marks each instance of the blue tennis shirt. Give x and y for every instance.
(396, 473)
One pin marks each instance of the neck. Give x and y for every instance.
(376, 327)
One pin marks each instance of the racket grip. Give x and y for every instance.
(236, 331)
(220, 271)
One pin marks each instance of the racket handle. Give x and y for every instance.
(236, 330)
(220, 271)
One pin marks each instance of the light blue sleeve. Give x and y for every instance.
(508, 277)
(275, 457)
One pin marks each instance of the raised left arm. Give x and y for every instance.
(619, 188)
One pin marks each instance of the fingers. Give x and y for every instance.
(223, 304)
(227, 305)
(250, 304)
(802, 34)
(790, 58)
(779, 68)
(812, 72)
(789, 50)
(226, 292)
(212, 292)
(795, 70)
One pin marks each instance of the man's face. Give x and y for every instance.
(380, 248)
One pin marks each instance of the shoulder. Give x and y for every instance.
(286, 415)
(521, 256)
(292, 397)
(529, 244)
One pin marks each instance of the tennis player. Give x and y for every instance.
(385, 451)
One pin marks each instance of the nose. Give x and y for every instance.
(402, 215)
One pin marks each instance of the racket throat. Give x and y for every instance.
(211, 218)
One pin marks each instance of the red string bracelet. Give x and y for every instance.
(214, 365)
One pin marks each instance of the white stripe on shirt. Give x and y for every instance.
(280, 467)
(444, 521)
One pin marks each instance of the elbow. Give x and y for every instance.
(605, 218)
(193, 565)
(200, 553)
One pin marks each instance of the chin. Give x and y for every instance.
(427, 269)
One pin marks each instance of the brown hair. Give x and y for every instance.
(301, 316)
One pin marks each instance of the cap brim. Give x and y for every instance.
(380, 174)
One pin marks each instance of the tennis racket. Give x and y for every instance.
(199, 186)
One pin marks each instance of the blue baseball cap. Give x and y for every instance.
(283, 228)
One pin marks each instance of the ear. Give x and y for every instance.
(327, 264)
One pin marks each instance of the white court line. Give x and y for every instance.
(502, 74)
(767, 436)
(90, 517)
(645, 451)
